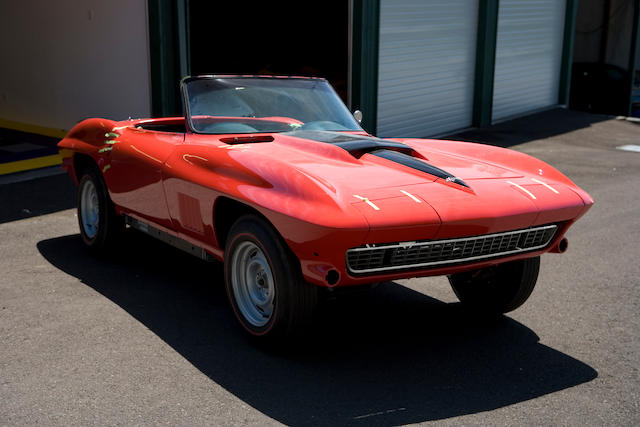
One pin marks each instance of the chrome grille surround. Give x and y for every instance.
(427, 253)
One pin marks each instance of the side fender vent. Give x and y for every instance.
(190, 213)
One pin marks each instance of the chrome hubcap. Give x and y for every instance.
(89, 209)
(252, 282)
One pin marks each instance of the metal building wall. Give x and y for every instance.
(426, 66)
(67, 60)
(528, 56)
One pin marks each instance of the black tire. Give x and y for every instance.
(499, 289)
(256, 258)
(102, 232)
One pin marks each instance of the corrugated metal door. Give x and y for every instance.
(426, 66)
(528, 56)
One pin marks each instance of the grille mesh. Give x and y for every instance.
(395, 256)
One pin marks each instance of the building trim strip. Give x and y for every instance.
(485, 62)
(571, 11)
(365, 47)
(633, 60)
(168, 51)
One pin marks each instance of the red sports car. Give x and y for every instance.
(275, 177)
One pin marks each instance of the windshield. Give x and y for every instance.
(224, 105)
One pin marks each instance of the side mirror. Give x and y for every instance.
(358, 116)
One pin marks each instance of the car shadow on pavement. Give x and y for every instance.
(388, 356)
(531, 127)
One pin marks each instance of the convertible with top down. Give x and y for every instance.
(276, 178)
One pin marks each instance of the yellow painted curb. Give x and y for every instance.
(28, 164)
(40, 130)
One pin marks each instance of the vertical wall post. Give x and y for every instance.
(182, 29)
(365, 45)
(567, 51)
(633, 60)
(485, 62)
(169, 54)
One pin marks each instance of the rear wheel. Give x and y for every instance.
(498, 289)
(99, 224)
(264, 283)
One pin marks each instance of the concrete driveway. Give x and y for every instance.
(145, 334)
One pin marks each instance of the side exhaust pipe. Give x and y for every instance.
(561, 247)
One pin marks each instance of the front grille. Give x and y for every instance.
(426, 253)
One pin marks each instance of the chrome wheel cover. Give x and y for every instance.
(89, 209)
(253, 284)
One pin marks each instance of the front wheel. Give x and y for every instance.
(498, 289)
(264, 283)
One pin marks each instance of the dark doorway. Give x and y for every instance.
(272, 38)
(604, 56)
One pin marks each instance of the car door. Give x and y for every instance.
(135, 175)
(190, 182)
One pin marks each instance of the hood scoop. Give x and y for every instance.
(358, 145)
(247, 139)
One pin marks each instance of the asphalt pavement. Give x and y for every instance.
(144, 335)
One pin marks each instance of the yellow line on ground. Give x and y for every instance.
(25, 127)
(28, 164)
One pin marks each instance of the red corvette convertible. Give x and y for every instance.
(274, 177)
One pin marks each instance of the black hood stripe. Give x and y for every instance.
(417, 164)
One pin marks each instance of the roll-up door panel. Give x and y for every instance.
(426, 66)
(528, 56)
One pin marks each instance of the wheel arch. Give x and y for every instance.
(81, 163)
(226, 212)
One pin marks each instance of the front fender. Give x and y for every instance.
(263, 183)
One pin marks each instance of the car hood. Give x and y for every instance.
(366, 163)
(405, 188)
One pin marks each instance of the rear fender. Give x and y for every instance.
(91, 137)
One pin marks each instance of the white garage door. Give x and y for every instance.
(528, 56)
(426, 66)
